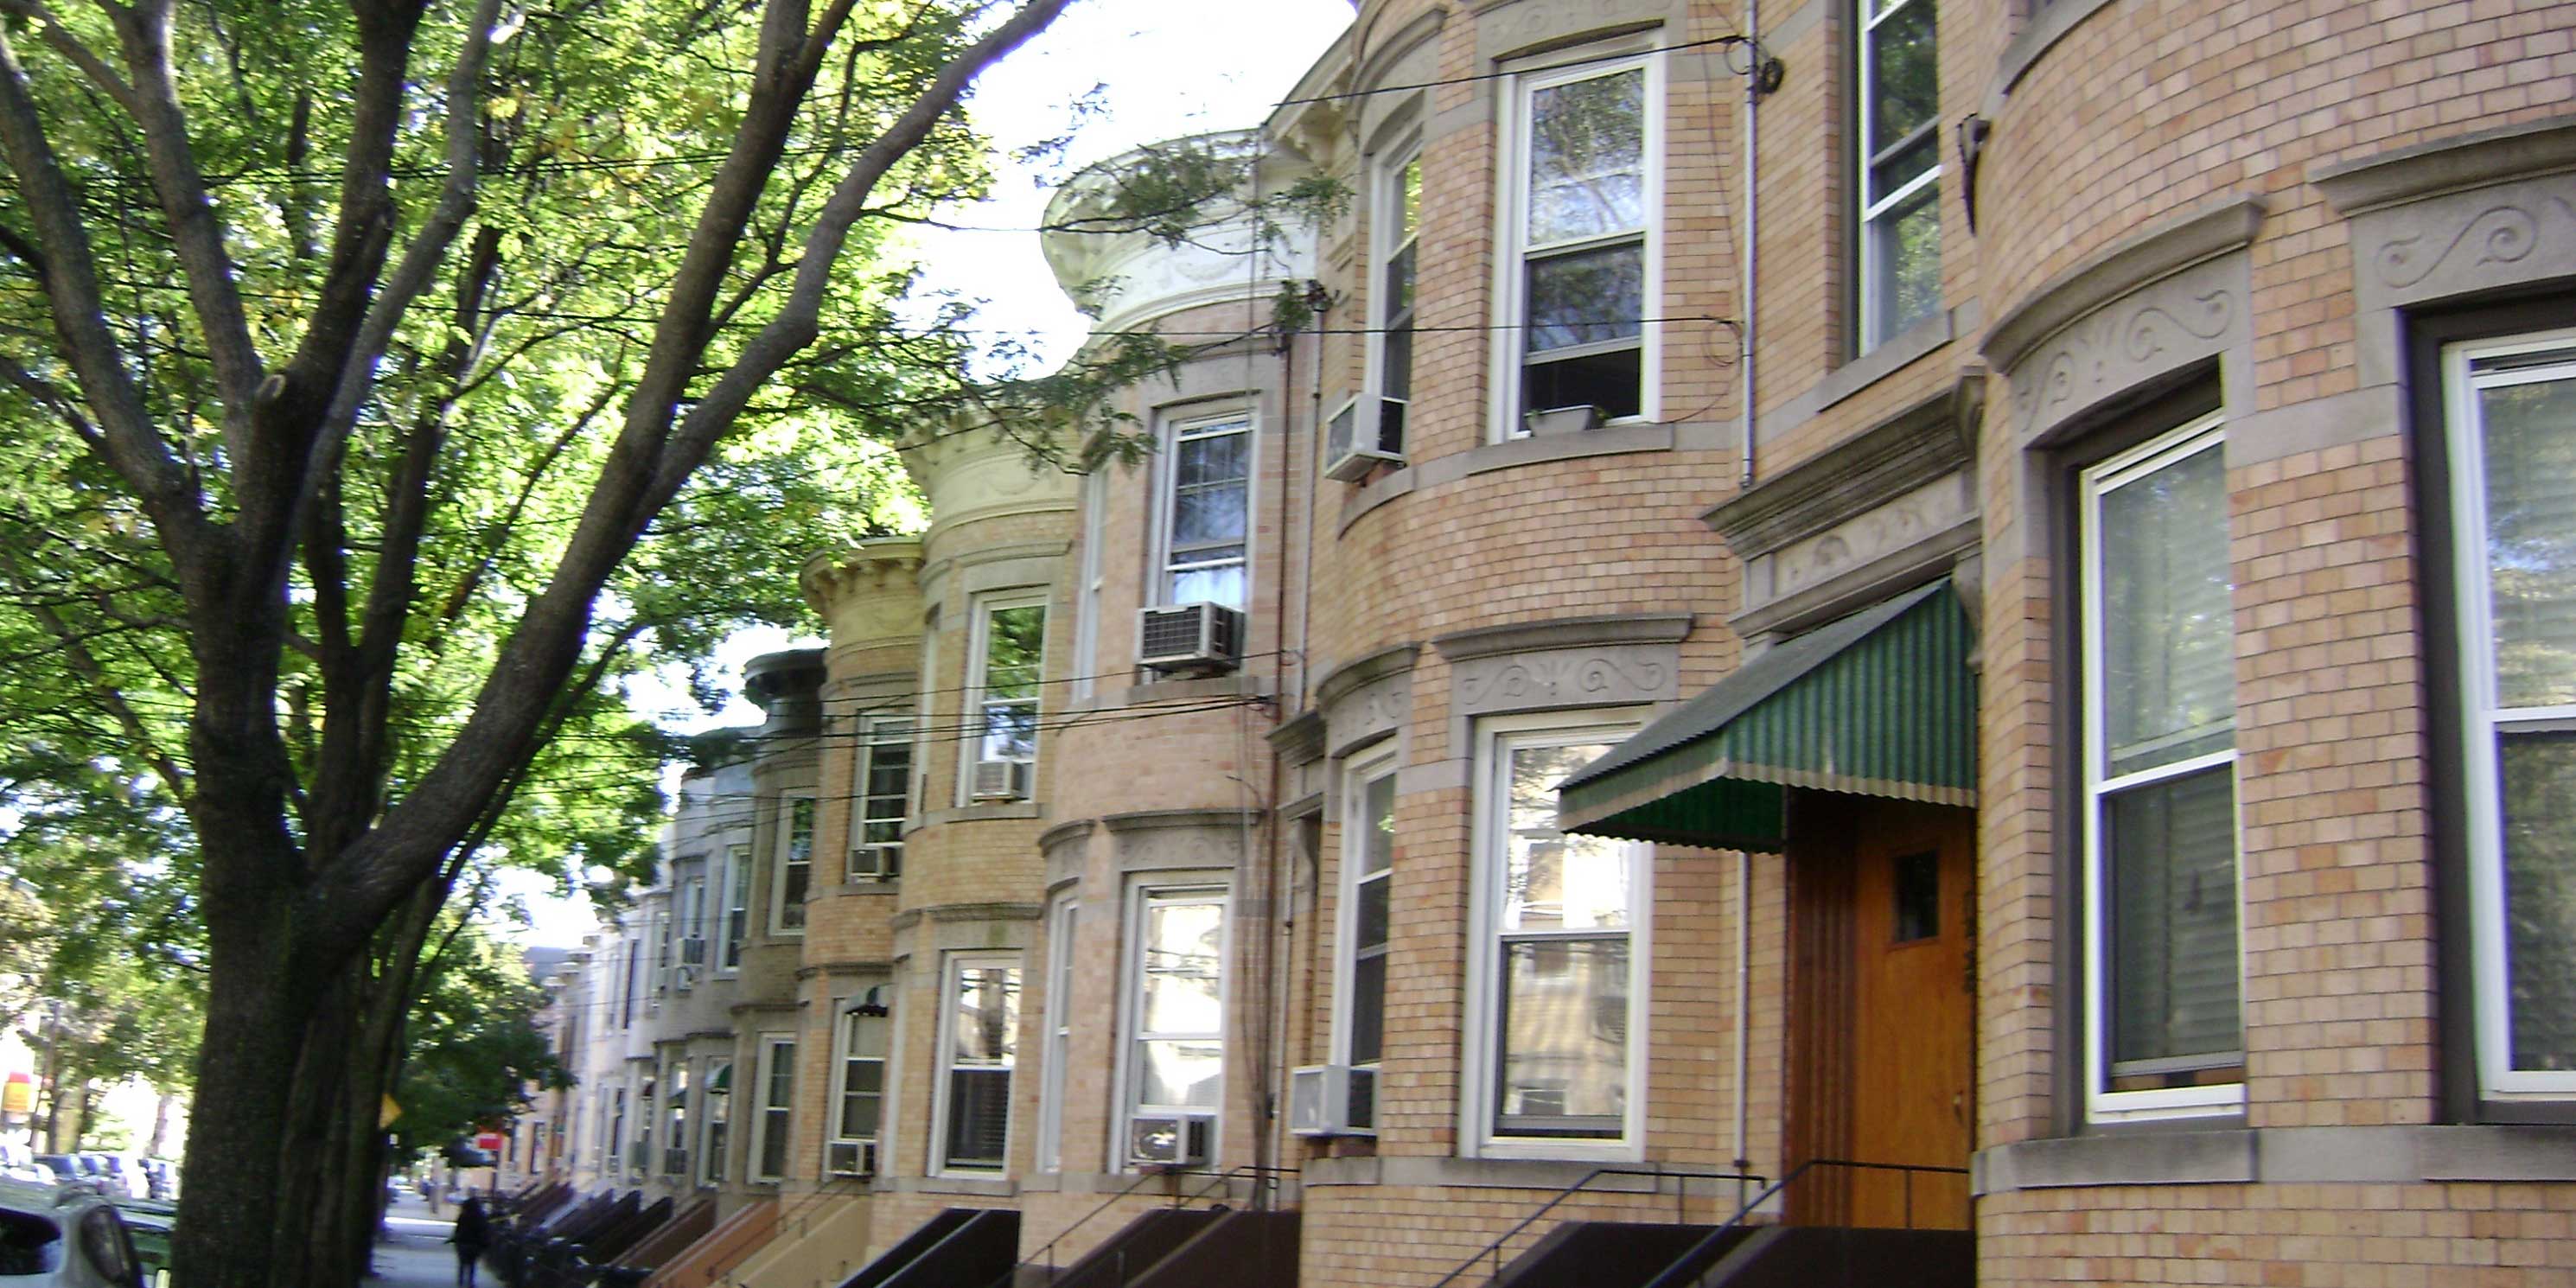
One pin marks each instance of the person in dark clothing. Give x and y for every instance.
(473, 1234)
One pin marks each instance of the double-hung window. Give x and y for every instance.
(2512, 407)
(1900, 167)
(737, 910)
(859, 1105)
(979, 1021)
(675, 1121)
(692, 931)
(777, 1106)
(718, 1115)
(882, 788)
(1002, 686)
(1208, 511)
(2162, 965)
(1399, 225)
(1583, 210)
(1559, 974)
(1061, 924)
(792, 876)
(1368, 868)
(1176, 1055)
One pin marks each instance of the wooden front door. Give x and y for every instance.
(1882, 1018)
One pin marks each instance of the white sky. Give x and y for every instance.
(1166, 68)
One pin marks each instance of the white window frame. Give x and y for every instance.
(875, 731)
(2202, 433)
(779, 928)
(1199, 424)
(1873, 301)
(712, 1163)
(2484, 723)
(1357, 776)
(760, 1167)
(1085, 680)
(691, 923)
(921, 742)
(971, 711)
(1511, 253)
(1386, 240)
(848, 1014)
(657, 928)
(951, 974)
(677, 1084)
(1063, 924)
(1495, 736)
(737, 903)
(1173, 889)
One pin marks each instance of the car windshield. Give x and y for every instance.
(29, 1244)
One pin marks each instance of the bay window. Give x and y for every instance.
(2164, 1034)
(718, 1119)
(979, 1038)
(1368, 865)
(737, 909)
(2512, 447)
(1391, 353)
(879, 796)
(859, 1101)
(792, 876)
(1581, 240)
(1558, 973)
(777, 1107)
(1176, 1004)
(1002, 704)
(1061, 922)
(1207, 512)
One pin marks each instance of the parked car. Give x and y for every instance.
(64, 1236)
(64, 1166)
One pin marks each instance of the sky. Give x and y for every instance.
(1162, 69)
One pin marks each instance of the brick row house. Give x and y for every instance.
(2018, 733)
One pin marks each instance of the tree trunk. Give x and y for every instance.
(241, 1146)
(160, 1141)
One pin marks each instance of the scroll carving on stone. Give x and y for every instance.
(2461, 242)
(1566, 678)
(2182, 319)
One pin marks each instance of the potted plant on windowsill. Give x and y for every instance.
(1563, 420)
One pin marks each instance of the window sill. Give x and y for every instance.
(1237, 685)
(1511, 453)
(977, 814)
(1858, 374)
(850, 889)
(1471, 1173)
(2282, 1155)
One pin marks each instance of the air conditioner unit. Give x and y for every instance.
(1332, 1100)
(850, 1158)
(1182, 637)
(877, 862)
(684, 978)
(693, 951)
(675, 1162)
(1367, 432)
(1000, 780)
(1167, 1140)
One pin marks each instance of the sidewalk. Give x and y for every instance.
(417, 1254)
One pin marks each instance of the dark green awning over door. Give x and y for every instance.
(1880, 703)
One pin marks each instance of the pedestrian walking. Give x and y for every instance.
(473, 1233)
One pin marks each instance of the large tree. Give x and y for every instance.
(377, 380)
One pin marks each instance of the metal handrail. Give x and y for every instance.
(1047, 1253)
(1495, 1249)
(1672, 1275)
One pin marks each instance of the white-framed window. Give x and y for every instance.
(613, 1144)
(1557, 982)
(675, 1120)
(858, 1097)
(1900, 166)
(633, 950)
(921, 743)
(1061, 924)
(1175, 1051)
(979, 1042)
(1398, 231)
(1003, 670)
(1207, 511)
(880, 791)
(791, 876)
(2162, 963)
(1580, 260)
(1087, 593)
(2512, 413)
(1367, 886)
(717, 1122)
(691, 930)
(737, 911)
(658, 929)
(777, 1106)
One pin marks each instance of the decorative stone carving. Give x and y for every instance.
(1182, 840)
(2465, 242)
(1919, 515)
(1602, 676)
(2188, 317)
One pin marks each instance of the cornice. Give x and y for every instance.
(1145, 820)
(2448, 165)
(1375, 666)
(2226, 224)
(870, 567)
(1915, 446)
(1564, 632)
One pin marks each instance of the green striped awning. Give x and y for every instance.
(1880, 703)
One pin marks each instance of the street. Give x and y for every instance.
(416, 1254)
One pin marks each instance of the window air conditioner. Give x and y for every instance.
(1167, 1140)
(1366, 432)
(675, 1162)
(684, 978)
(1000, 780)
(693, 951)
(877, 863)
(850, 1158)
(1321, 1098)
(1184, 637)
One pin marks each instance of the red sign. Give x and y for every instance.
(490, 1142)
